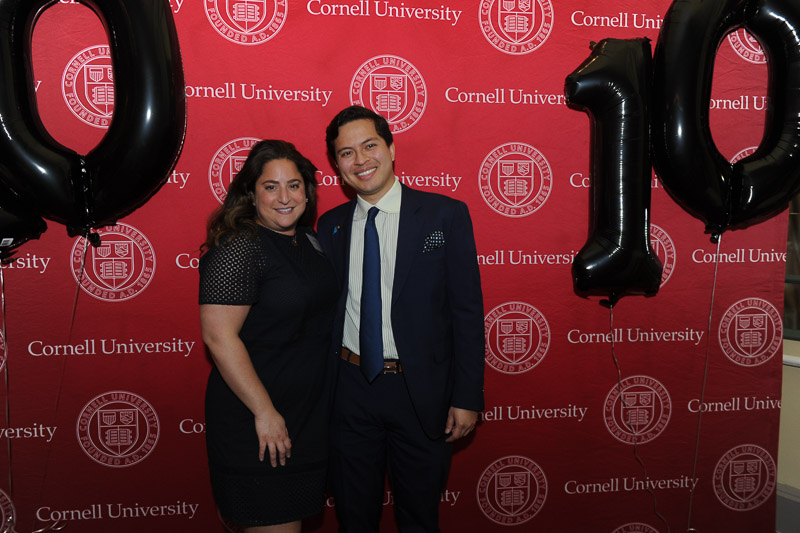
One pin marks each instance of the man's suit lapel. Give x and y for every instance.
(340, 243)
(409, 238)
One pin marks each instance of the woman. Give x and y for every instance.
(267, 298)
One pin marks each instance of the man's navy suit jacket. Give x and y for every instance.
(437, 304)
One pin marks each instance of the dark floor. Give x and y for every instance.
(788, 515)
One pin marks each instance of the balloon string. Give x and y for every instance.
(58, 525)
(689, 528)
(628, 422)
(78, 286)
(9, 524)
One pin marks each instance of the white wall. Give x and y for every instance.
(789, 444)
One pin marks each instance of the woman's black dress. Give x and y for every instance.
(292, 290)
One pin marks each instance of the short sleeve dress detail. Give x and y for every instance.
(292, 290)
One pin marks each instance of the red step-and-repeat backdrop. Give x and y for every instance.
(103, 396)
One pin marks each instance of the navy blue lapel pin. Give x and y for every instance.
(336, 230)
(433, 240)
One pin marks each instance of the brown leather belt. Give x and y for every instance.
(390, 366)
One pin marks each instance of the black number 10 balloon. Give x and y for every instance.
(612, 85)
(39, 175)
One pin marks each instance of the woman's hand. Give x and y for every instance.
(273, 436)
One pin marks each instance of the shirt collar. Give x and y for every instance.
(390, 203)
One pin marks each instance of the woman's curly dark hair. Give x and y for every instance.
(237, 215)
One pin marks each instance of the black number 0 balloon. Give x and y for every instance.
(145, 136)
(688, 163)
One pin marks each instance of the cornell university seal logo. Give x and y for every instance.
(515, 179)
(226, 163)
(747, 46)
(751, 332)
(665, 250)
(512, 490)
(392, 87)
(517, 337)
(744, 477)
(119, 269)
(117, 429)
(246, 22)
(638, 411)
(88, 86)
(516, 26)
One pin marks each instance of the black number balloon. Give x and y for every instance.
(613, 87)
(697, 176)
(143, 140)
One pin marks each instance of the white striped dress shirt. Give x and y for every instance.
(387, 223)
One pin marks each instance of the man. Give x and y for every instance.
(411, 298)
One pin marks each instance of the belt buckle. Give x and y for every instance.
(391, 367)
